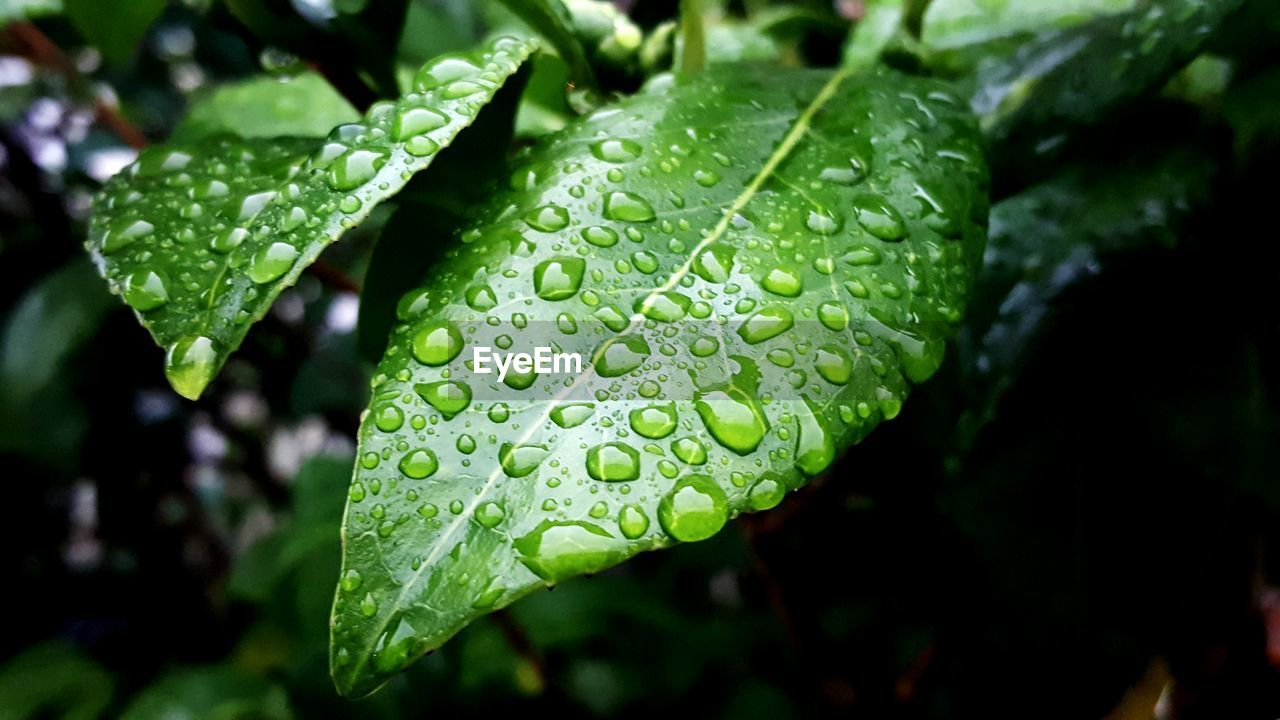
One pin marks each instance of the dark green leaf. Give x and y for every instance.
(1056, 235)
(761, 262)
(115, 28)
(214, 692)
(200, 239)
(53, 679)
(264, 107)
(551, 20)
(1030, 101)
(950, 24)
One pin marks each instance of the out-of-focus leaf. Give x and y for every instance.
(880, 23)
(200, 239)
(551, 20)
(608, 36)
(352, 40)
(53, 679)
(745, 298)
(53, 320)
(19, 9)
(115, 28)
(212, 692)
(950, 24)
(264, 107)
(1030, 102)
(1053, 236)
(319, 490)
(1251, 107)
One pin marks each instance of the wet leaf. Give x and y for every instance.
(201, 238)
(753, 266)
(1030, 101)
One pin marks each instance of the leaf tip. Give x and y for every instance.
(190, 364)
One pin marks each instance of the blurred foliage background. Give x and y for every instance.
(1076, 518)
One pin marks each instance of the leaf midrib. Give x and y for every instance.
(789, 142)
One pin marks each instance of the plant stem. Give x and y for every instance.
(693, 57)
(913, 16)
(42, 51)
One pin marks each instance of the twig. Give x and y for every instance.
(518, 639)
(42, 51)
(334, 277)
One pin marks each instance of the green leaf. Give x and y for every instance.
(212, 692)
(115, 28)
(551, 20)
(53, 679)
(759, 261)
(201, 238)
(880, 23)
(1056, 235)
(1076, 77)
(950, 24)
(20, 9)
(264, 107)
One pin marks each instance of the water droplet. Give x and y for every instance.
(124, 235)
(706, 178)
(733, 418)
(783, 281)
(823, 222)
(572, 415)
(613, 462)
(414, 121)
(558, 278)
(704, 346)
(557, 550)
(663, 306)
(547, 218)
(714, 263)
(489, 514)
(444, 70)
(481, 298)
(351, 580)
(695, 509)
(690, 450)
(627, 207)
(355, 168)
(616, 151)
(654, 422)
(447, 396)
(833, 315)
(271, 262)
(519, 460)
(770, 321)
(145, 289)
(632, 521)
(229, 240)
(369, 605)
(766, 493)
(815, 446)
(419, 464)
(600, 236)
(189, 364)
(436, 343)
(387, 417)
(620, 356)
(833, 364)
(879, 218)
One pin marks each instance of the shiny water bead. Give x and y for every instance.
(613, 462)
(695, 509)
(558, 278)
(272, 262)
(145, 289)
(436, 343)
(419, 464)
(627, 207)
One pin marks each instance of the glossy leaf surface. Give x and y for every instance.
(201, 238)
(754, 266)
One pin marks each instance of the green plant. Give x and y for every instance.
(758, 260)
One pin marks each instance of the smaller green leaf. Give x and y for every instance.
(263, 107)
(115, 28)
(215, 692)
(1029, 101)
(551, 20)
(53, 679)
(200, 238)
(950, 24)
(881, 21)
